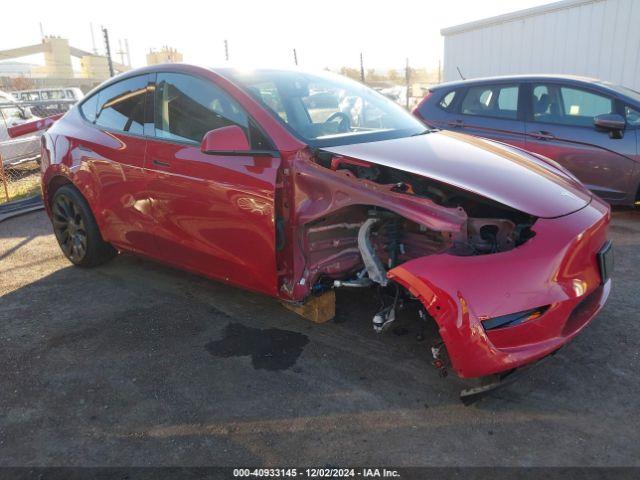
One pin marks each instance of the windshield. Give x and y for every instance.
(326, 109)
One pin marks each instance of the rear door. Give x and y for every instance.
(491, 111)
(214, 213)
(115, 151)
(560, 126)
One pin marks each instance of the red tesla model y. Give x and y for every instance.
(294, 184)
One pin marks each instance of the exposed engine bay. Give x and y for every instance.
(355, 246)
(381, 239)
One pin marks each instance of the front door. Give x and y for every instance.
(214, 213)
(560, 126)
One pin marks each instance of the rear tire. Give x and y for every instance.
(76, 229)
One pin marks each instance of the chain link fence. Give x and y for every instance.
(20, 165)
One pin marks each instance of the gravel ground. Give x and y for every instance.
(134, 363)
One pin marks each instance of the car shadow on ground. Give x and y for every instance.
(137, 363)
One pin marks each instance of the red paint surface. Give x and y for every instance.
(216, 215)
(558, 267)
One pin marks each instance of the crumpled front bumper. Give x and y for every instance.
(557, 268)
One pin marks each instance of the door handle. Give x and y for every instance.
(542, 135)
(456, 123)
(160, 163)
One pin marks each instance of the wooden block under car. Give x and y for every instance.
(318, 309)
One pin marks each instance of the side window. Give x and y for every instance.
(633, 116)
(508, 101)
(268, 93)
(89, 108)
(568, 105)
(187, 107)
(500, 101)
(121, 105)
(447, 100)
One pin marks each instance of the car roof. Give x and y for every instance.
(185, 68)
(620, 91)
(519, 78)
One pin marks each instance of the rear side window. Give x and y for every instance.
(500, 101)
(121, 105)
(447, 101)
(89, 108)
(567, 105)
(187, 107)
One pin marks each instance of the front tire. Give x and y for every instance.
(76, 229)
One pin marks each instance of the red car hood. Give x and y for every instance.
(509, 176)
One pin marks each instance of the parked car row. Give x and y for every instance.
(23, 148)
(587, 126)
(14, 113)
(294, 184)
(46, 94)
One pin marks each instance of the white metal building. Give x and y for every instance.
(594, 38)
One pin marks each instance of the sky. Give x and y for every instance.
(326, 33)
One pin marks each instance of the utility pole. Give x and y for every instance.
(295, 57)
(361, 68)
(105, 33)
(226, 50)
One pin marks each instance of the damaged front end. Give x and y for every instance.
(504, 287)
(354, 223)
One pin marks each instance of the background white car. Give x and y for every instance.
(21, 149)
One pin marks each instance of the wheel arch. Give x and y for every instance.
(51, 186)
(60, 179)
(443, 309)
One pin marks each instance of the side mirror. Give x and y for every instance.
(225, 140)
(613, 122)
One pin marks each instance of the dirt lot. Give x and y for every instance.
(134, 363)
